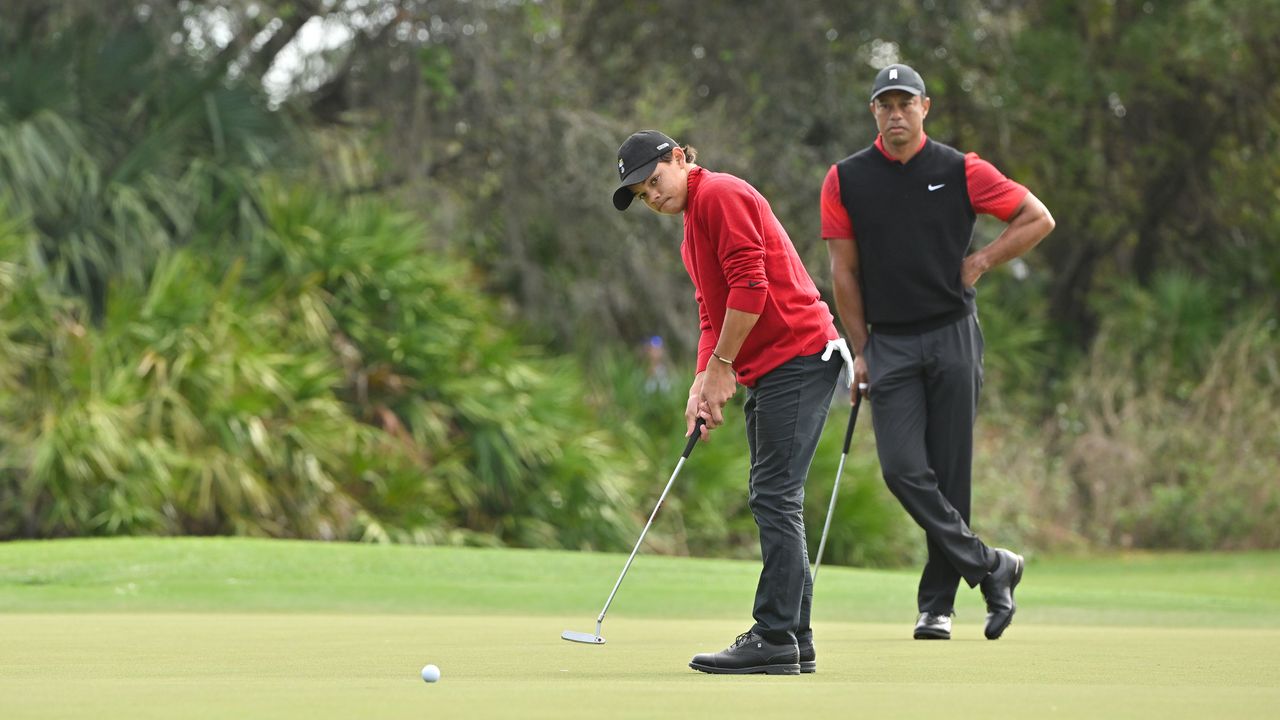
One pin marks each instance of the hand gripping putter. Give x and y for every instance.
(596, 638)
(831, 509)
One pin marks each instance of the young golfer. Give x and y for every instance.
(765, 327)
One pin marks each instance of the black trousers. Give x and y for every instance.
(924, 400)
(785, 412)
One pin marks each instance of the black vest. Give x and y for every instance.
(913, 224)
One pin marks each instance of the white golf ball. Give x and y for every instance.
(430, 673)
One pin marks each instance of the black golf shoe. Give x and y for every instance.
(808, 657)
(997, 588)
(749, 654)
(933, 627)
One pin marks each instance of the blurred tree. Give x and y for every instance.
(1147, 127)
(1151, 129)
(115, 148)
(1133, 118)
(256, 360)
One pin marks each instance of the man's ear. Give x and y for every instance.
(677, 155)
(925, 102)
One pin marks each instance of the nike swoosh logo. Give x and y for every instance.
(936, 187)
(753, 283)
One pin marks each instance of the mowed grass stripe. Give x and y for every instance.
(247, 575)
(312, 665)
(213, 628)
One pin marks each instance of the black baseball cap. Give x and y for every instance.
(897, 77)
(637, 157)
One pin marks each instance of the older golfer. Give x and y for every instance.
(898, 218)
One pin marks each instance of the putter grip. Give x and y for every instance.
(853, 420)
(693, 437)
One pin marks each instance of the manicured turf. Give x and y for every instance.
(242, 628)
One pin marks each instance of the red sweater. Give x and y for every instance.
(739, 256)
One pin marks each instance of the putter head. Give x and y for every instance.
(581, 637)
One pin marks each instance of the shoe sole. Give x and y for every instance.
(932, 635)
(781, 669)
(809, 666)
(1013, 608)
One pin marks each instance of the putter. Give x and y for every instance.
(596, 638)
(831, 508)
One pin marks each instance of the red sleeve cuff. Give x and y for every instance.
(748, 300)
(706, 344)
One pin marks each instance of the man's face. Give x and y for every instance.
(666, 191)
(900, 116)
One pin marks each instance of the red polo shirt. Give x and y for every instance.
(739, 256)
(990, 192)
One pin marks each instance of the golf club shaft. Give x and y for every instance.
(826, 526)
(688, 448)
(835, 489)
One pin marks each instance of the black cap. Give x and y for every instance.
(897, 77)
(637, 157)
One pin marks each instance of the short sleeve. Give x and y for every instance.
(836, 224)
(990, 192)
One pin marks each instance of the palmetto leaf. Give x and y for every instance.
(124, 163)
(203, 348)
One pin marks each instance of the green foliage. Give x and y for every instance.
(178, 414)
(869, 527)
(192, 342)
(335, 382)
(1149, 447)
(1171, 452)
(1170, 329)
(707, 512)
(192, 350)
(1018, 339)
(1136, 121)
(434, 65)
(509, 434)
(118, 151)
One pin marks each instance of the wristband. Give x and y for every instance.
(726, 362)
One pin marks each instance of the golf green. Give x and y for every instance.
(261, 629)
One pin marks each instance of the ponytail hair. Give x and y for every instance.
(690, 154)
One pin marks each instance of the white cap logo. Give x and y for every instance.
(622, 170)
(663, 146)
(893, 73)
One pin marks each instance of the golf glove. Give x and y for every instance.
(842, 346)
